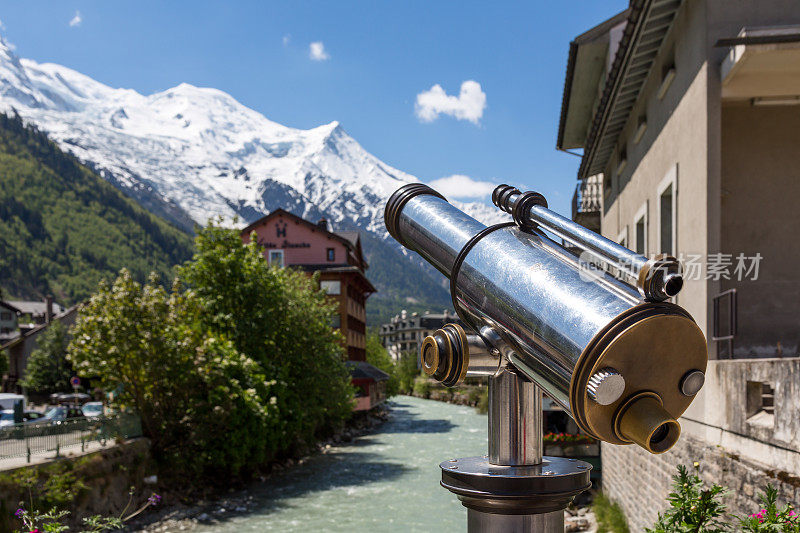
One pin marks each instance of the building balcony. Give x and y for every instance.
(587, 202)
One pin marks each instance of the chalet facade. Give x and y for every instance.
(291, 241)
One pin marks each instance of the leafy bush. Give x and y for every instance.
(280, 319)
(422, 387)
(406, 371)
(48, 370)
(238, 368)
(200, 400)
(378, 357)
(693, 508)
(610, 518)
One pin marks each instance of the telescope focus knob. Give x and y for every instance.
(606, 386)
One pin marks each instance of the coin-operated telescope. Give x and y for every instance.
(616, 355)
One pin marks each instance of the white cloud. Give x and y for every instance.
(76, 20)
(460, 186)
(316, 51)
(468, 105)
(286, 39)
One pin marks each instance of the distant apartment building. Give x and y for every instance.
(687, 116)
(405, 332)
(291, 241)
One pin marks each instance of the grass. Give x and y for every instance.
(610, 518)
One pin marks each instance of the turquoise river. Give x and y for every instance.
(385, 481)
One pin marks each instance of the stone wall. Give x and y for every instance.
(639, 482)
(95, 483)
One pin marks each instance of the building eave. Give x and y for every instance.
(646, 18)
(596, 35)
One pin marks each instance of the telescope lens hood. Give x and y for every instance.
(391, 215)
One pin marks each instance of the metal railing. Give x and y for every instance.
(27, 439)
(588, 195)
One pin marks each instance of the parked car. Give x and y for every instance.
(8, 400)
(7, 417)
(63, 398)
(92, 409)
(60, 413)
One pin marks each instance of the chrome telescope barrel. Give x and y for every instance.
(656, 279)
(589, 342)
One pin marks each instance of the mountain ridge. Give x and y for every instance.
(190, 153)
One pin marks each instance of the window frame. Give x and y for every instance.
(641, 214)
(330, 254)
(279, 252)
(332, 281)
(670, 179)
(623, 236)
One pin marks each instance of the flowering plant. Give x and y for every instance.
(770, 519)
(52, 522)
(550, 438)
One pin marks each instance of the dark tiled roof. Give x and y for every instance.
(362, 370)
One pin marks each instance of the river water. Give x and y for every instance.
(386, 481)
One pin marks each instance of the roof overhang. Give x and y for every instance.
(763, 65)
(649, 22)
(586, 64)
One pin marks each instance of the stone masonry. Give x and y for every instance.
(640, 482)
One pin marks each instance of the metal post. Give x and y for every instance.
(515, 488)
(515, 420)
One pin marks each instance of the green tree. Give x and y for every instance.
(280, 319)
(378, 357)
(406, 371)
(205, 406)
(48, 370)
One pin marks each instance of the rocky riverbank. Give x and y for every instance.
(174, 515)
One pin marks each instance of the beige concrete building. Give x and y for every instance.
(688, 117)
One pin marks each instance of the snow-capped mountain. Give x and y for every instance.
(192, 153)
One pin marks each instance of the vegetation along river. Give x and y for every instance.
(385, 481)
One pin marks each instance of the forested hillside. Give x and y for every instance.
(63, 228)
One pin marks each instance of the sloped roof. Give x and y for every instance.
(364, 370)
(34, 307)
(649, 21)
(9, 306)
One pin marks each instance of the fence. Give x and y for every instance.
(24, 440)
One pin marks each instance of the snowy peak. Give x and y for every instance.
(201, 151)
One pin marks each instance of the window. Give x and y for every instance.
(622, 238)
(336, 322)
(640, 231)
(331, 253)
(275, 258)
(333, 287)
(667, 213)
(5, 315)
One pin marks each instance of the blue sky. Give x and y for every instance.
(374, 60)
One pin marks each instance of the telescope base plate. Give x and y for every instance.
(536, 489)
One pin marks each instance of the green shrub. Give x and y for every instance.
(483, 401)
(407, 371)
(610, 518)
(226, 374)
(422, 387)
(693, 507)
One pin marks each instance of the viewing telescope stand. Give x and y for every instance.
(515, 488)
(538, 314)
